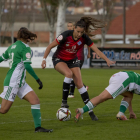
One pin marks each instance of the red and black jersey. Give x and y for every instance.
(80, 54)
(68, 47)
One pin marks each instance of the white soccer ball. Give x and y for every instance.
(63, 114)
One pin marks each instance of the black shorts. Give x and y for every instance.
(71, 63)
(81, 63)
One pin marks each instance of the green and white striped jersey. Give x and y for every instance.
(133, 81)
(17, 54)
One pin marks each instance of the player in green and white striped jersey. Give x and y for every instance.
(122, 83)
(19, 56)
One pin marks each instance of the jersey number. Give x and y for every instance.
(11, 56)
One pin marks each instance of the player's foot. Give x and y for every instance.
(78, 114)
(121, 116)
(93, 116)
(65, 105)
(86, 87)
(41, 129)
(70, 96)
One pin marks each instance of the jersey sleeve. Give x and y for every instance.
(26, 55)
(88, 41)
(61, 38)
(5, 55)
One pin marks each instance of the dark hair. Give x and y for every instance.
(89, 24)
(25, 34)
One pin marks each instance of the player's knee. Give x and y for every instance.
(3, 111)
(68, 74)
(79, 85)
(35, 101)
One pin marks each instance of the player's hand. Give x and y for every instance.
(40, 84)
(132, 116)
(43, 64)
(88, 56)
(109, 62)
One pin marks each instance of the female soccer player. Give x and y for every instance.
(65, 59)
(121, 83)
(19, 55)
(80, 56)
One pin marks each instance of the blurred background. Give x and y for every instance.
(48, 18)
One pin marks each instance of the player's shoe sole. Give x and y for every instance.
(78, 115)
(41, 129)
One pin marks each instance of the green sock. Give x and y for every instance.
(35, 109)
(0, 106)
(88, 106)
(124, 105)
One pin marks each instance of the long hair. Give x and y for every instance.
(90, 24)
(25, 34)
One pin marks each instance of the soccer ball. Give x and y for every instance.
(63, 114)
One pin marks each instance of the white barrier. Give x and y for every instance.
(37, 56)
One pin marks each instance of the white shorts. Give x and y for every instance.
(116, 84)
(9, 93)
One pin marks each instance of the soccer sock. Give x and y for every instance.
(124, 105)
(0, 106)
(66, 87)
(35, 109)
(84, 94)
(89, 106)
(72, 87)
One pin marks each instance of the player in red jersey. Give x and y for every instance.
(65, 58)
(80, 55)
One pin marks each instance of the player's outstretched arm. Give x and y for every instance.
(32, 73)
(98, 52)
(47, 51)
(88, 56)
(132, 115)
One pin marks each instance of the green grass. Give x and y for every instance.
(18, 124)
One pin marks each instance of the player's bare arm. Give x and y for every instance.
(47, 51)
(95, 49)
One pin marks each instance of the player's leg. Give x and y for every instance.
(27, 93)
(72, 89)
(82, 90)
(5, 106)
(81, 64)
(8, 96)
(124, 105)
(105, 95)
(62, 68)
(115, 88)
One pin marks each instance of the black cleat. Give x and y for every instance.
(93, 116)
(41, 129)
(64, 105)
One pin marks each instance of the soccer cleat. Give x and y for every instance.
(78, 115)
(71, 96)
(93, 116)
(41, 129)
(121, 116)
(86, 87)
(64, 105)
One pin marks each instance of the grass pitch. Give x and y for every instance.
(18, 124)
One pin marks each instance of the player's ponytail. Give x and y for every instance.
(25, 34)
(89, 24)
